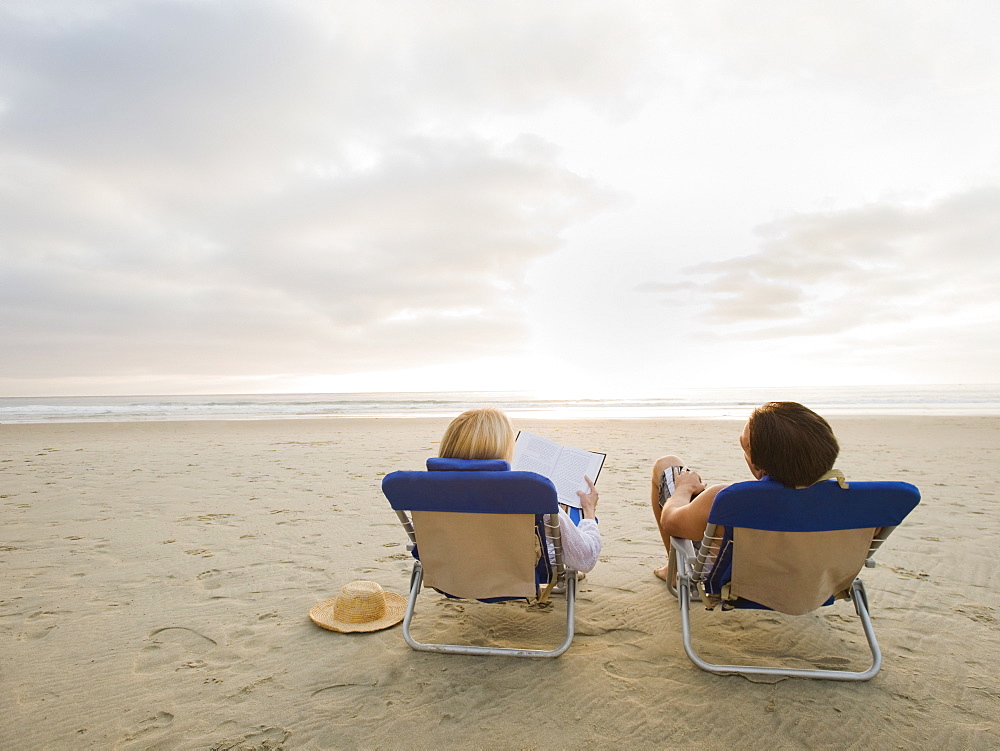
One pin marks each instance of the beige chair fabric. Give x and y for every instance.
(476, 556)
(796, 572)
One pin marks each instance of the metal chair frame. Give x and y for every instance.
(564, 581)
(691, 569)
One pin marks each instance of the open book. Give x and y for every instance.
(564, 465)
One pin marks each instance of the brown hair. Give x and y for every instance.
(483, 433)
(791, 443)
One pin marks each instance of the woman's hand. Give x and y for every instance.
(588, 500)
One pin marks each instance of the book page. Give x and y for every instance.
(564, 465)
(569, 473)
(532, 453)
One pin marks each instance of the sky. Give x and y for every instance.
(570, 198)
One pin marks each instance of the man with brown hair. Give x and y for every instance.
(782, 440)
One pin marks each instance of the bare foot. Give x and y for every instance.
(661, 573)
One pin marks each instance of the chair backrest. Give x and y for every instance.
(476, 525)
(794, 549)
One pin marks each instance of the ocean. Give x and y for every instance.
(962, 400)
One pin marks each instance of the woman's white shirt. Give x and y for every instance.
(581, 544)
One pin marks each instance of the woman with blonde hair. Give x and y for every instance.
(486, 433)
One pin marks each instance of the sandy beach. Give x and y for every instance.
(155, 579)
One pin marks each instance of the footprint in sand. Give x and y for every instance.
(979, 613)
(213, 517)
(631, 670)
(174, 648)
(906, 573)
(394, 557)
(263, 737)
(210, 574)
(143, 734)
(833, 662)
(37, 625)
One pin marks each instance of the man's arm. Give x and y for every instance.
(683, 517)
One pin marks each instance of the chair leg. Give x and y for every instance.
(860, 597)
(861, 605)
(672, 571)
(416, 580)
(677, 561)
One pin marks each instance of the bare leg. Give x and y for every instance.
(661, 464)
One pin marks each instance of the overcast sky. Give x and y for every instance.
(573, 198)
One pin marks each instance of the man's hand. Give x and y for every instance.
(687, 483)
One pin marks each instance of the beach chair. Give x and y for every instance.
(478, 532)
(790, 550)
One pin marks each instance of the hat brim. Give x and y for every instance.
(322, 614)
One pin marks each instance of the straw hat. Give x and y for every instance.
(360, 606)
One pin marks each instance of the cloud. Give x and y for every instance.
(869, 47)
(876, 266)
(256, 188)
(411, 260)
(251, 187)
(179, 84)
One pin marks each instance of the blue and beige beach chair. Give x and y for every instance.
(790, 550)
(477, 531)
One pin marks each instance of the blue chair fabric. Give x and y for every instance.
(477, 487)
(767, 504)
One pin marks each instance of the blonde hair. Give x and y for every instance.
(483, 433)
